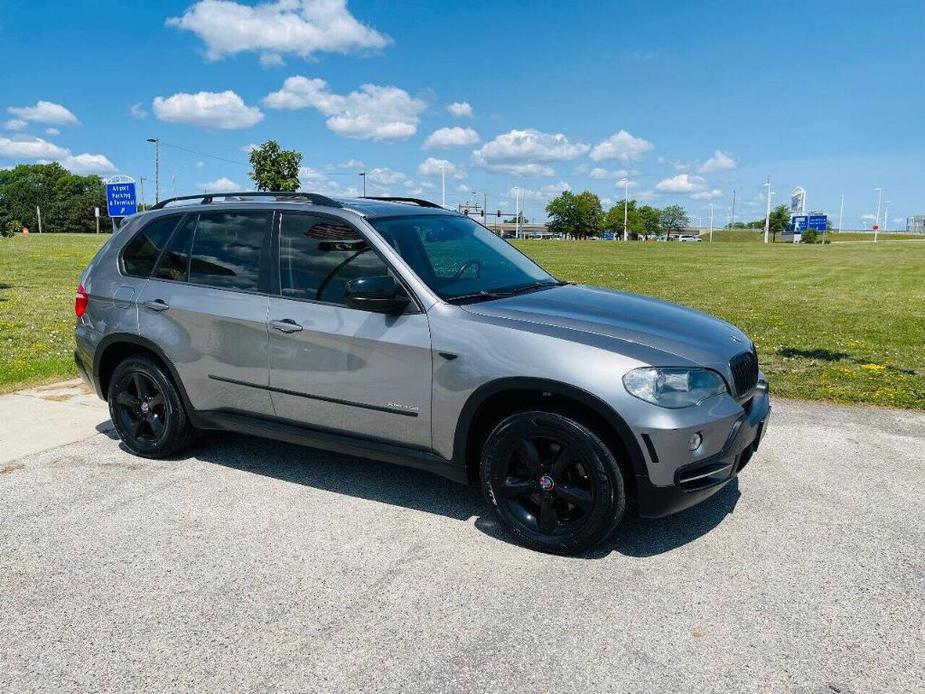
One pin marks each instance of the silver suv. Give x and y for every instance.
(396, 330)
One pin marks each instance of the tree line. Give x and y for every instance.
(66, 200)
(579, 215)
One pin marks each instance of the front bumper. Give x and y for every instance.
(701, 479)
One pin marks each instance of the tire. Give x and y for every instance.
(552, 482)
(146, 409)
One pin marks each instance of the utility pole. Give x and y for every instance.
(841, 210)
(767, 214)
(732, 221)
(886, 216)
(144, 203)
(626, 195)
(157, 168)
(711, 222)
(363, 176)
(877, 222)
(38, 213)
(443, 184)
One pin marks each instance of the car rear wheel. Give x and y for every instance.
(552, 482)
(146, 409)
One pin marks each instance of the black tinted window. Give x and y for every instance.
(142, 252)
(227, 247)
(317, 257)
(175, 263)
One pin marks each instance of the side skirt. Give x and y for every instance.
(330, 441)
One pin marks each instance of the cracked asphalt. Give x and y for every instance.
(251, 565)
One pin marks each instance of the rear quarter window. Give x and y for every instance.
(141, 253)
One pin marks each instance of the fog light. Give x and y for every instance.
(693, 443)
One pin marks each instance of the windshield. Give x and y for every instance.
(460, 259)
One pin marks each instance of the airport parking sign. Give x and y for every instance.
(820, 222)
(120, 197)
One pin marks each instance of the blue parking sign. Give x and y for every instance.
(120, 199)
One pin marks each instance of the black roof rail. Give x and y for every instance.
(280, 196)
(420, 202)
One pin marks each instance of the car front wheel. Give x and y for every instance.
(552, 482)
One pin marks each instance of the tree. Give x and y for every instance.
(613, 221)
(275, 168)
(779, 219)
(649, 219)
(673, 219)
(575, 215)
(67, 200)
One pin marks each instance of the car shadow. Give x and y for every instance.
(423, 491)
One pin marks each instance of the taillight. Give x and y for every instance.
(80, 301)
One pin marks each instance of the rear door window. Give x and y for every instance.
(228, 249)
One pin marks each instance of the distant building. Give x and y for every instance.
(915, 224)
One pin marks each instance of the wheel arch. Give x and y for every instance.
(496, 399)
(116, 347)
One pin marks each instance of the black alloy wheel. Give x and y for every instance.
(552, 482)
(146, 409)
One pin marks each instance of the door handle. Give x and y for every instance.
(157, 305)
(286, 325)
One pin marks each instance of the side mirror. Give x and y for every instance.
(380, 294)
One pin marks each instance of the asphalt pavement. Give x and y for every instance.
(249, 565)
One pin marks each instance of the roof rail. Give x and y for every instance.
(420, 202)
(295, 196)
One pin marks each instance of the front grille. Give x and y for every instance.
(744, 372)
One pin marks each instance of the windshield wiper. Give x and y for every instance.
(486, 295)
(536, 286)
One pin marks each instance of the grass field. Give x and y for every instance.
(738, 235)
(839, 322)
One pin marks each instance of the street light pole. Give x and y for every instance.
(877, 222)
(711, 222)
(767, 214)
(517, 212)
(886, 215)
(841, 210)
(626, 202)
(144, 204)
(157, 168)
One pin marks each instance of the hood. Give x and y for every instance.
(687, 333)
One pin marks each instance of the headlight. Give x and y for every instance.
(674, 387)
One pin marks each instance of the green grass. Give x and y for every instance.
(839, 322)
(757, 236)
(38, 276)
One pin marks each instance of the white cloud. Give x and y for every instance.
(44, 152)
(682, 183)
(247, 149)
(223, 110)
(708, 194)
(30, 148)
(432, 167)
(200, 164)
(720, 161)
(351, 164)
(138, 111)
(547, 192)
(15, 124)
(273, 29)
(52, 131)
(220, 185)
(603, 174)
(622, 146)
(869, 217)
(527, 152)
(372, 112)
(645, 195)
(386, 176)
(445, 138)
(87, 163)
(460, 109)
(45, 112)
(623, 184)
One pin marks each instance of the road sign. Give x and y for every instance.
(819, 222)
(876, 227)
(800, 223)
(120, 196)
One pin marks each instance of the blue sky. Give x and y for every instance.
(685, 101)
